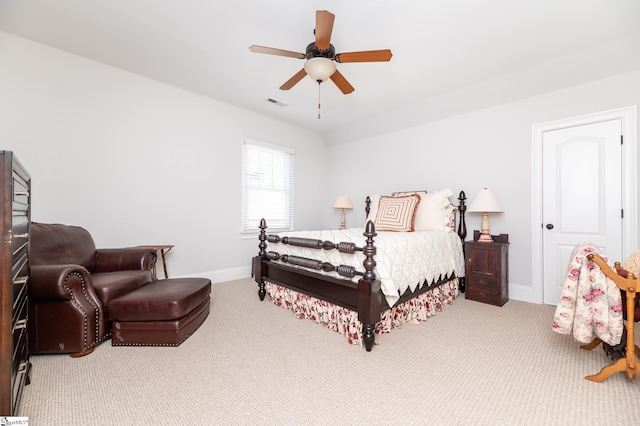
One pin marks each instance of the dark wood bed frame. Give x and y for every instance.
(364, 297)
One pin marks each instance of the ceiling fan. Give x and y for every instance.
(321, 56)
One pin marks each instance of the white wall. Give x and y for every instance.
(136, 161)
(488, 148)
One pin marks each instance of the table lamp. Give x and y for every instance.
(343, 202)
(485, 202)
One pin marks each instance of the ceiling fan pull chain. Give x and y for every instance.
(319, 99)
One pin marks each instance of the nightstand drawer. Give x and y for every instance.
(486, 295)
(485, 283)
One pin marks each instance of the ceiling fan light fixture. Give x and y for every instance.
(320, 69)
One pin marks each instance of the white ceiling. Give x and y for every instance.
(438, 46)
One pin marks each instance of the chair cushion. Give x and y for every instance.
(110, 285)
(57, 244)
(161, 300)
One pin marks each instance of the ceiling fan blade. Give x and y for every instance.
(279, 52)
(366, 56)
(342, 83)
(324, 27)
(293, 80)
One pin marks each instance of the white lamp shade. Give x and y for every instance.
(343, 202)
(320, 69)
(485, 202)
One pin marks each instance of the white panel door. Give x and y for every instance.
(581, 190)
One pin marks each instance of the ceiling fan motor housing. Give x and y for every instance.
(314, 52)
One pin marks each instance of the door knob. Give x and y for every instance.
(549, 225)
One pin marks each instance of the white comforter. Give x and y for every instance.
(403, 259)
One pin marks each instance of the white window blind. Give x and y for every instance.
(267, 186)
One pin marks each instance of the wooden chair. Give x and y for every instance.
(628, 283)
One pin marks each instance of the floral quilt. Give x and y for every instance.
(591, 303)
(346, 322)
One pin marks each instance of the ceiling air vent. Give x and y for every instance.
(273, 101)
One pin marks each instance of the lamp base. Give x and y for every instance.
(485, 237)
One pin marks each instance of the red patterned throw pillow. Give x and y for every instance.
(396, 213)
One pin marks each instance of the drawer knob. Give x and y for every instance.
(21, 280)
(22, 367)
(20, 324)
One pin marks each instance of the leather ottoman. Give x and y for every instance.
(161, 313)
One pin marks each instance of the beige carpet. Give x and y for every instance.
(254, 363)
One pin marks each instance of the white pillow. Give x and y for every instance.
(434, 211)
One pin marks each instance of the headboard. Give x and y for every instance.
(461, 208)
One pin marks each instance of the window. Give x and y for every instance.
(267, 186)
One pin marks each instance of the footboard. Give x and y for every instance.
(364, 296)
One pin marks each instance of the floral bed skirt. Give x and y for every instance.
(345, 321)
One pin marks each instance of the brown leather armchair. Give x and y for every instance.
(71, 283)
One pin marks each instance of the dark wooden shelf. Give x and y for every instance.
(15, 193)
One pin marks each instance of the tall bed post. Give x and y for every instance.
(462, 231)
(258, 264)
(462, 223)
(367, 206)
(369, 294)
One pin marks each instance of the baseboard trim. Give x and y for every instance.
(222, 275)
(521, 292)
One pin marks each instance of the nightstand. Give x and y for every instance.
(487, 270)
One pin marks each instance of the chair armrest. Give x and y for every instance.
(125, 259)
(56, 282)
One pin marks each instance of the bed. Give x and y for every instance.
(348, 279)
